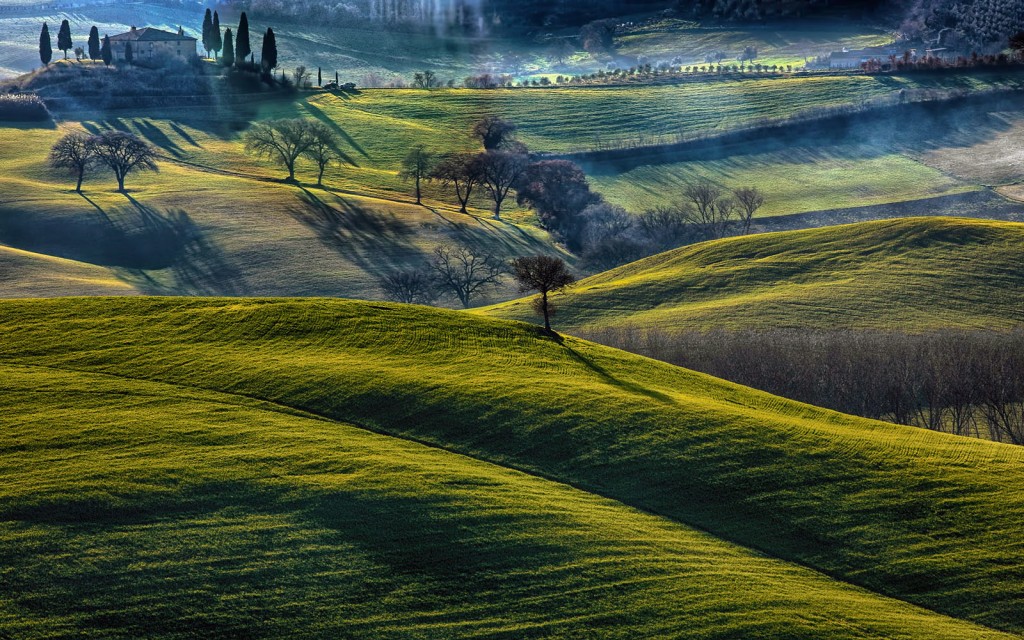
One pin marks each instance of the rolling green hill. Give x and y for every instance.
(911, 273)
(220, 451)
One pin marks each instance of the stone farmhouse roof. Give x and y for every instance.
(149, 34)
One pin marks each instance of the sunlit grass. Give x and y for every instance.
(917, 515)
(910, 274)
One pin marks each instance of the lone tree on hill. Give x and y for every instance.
(545, 275)
(105, 53)
(94, 43)
(268, 60)
(74, 152)
(208, 32)
(129, 53)
(283, 141)
(463, 273)
(228, 59)
(242, 45)
(64, 42)
(322, 150)
(500, 170)
(124, 153)
(494, 131)
(417, 166)
(463, 172)
(45, 45)
(215, 39)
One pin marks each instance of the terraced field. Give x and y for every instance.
(220, 451)
(912, 273)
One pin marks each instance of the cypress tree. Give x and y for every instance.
(319, 78)
(129, 54)
(94, 43)
(64, 38)
(45, 45)
(242, 46)
(105, 53)
(228, 59)
(269, 58)
(217, 43)
(207, 31)
(336, 79)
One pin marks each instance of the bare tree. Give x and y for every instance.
(323, 148)
(545, 275)
(301, 75)
(124, 153)
(75, 152)
(500, 171)
(463, 273)
(417, 167)
(461, 171)
(494, 132)
(411, 286)
(749, 200)
(425, 80)
(283, 141)
(709, 207)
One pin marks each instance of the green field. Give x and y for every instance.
(176, 464)
(907, 274)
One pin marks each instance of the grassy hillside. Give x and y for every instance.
(912, 273)
(144, 509)
(919, 516)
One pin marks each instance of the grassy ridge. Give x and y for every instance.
(925, 517)
(134, 509)
(912, 273)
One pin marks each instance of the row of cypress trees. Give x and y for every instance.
(237, 47)
(96, 50)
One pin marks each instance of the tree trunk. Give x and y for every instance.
(544, 303)
(320, 177)
(418, 189)
(120, 182)
(81, 174)
(497, 209)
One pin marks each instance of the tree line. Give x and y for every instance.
(964, 382)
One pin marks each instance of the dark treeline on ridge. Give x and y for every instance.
(969, 383)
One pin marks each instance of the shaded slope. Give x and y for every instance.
(918, 515)
(133, 509)
(914, 273)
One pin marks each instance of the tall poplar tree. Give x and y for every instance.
(64, 38)
(45, 45)
(228, 59)
(94, 43)
(208, 32)
(242, 45)
(105, 53)
(269, 58)
(216, 41)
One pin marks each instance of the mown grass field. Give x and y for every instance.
(908, 274)
(177, 464)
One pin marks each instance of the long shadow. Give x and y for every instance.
(320, 115)
(158, 138)
(184, 135)
(373, 240)
(612, 380)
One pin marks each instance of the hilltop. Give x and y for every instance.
(909, 274)
(243, 435)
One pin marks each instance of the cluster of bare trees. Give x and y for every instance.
(956, 381)
(285, 141)
(712, 211)
(462, 274)
(118, 151)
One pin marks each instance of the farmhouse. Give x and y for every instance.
(153, 45)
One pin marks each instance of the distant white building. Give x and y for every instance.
(153, 45)
(854, 59)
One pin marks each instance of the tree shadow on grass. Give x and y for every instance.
(376, 241)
